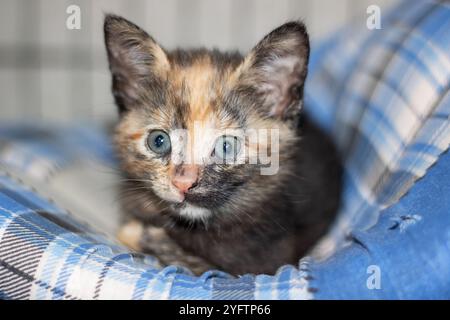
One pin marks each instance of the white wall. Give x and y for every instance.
(50, 72)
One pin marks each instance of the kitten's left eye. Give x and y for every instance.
(227, 148)
(159, 142)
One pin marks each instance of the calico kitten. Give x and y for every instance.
(222, 210)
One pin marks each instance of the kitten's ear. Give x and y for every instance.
(137, 63)
(276, 70)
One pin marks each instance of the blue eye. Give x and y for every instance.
(159, 142)
(227, 148)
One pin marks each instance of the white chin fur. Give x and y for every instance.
(193, 212)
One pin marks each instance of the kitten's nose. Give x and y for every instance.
(185, 177)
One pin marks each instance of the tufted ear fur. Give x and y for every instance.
(137, 63)
(276, 70)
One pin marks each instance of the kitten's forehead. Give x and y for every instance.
(197, 86)
(199, 82)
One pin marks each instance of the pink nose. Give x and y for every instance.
(185, 177)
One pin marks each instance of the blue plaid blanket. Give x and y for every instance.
(384, 97)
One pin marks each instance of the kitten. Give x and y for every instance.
(196, 196)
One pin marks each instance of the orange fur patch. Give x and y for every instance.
(130, 234)
(199, 80)
(136, 135)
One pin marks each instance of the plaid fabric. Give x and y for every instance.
(383, 95)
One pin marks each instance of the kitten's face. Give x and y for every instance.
(187, 117)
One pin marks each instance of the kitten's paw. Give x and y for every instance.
(157, 242)
(130, 234)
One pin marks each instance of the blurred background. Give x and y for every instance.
(50, 72)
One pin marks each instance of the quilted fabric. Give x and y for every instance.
(382, 94)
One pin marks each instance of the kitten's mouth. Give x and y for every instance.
(196, 200)
(190, 200)
(208, 201)
(211, 199)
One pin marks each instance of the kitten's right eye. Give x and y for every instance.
(159, 142)
(227, 148)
